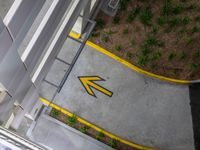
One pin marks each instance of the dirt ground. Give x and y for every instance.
(160, 36)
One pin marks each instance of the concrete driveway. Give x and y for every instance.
(140, 109)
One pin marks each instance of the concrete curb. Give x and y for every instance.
(77, 132)
(85, 122)
(133, 67)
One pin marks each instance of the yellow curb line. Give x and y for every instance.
(74, 35)
(133, 67)
(129, 65)
(83, 121)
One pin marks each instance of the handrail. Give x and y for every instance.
(17, 140)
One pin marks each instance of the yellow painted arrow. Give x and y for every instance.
(88, 83)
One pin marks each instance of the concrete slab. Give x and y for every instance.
(4, 7)
(69, 50)
(58, 136)
(54, 77)
(143, 110)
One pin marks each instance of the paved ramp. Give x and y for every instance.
(141, 109)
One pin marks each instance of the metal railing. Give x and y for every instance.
(16, 141)
(91, 25)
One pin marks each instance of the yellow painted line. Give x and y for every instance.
(74, 35)
(129, 65)
(133, 67)
(83, 121)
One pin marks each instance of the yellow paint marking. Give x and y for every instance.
(74, 35)
(88, 83)
(131, 66)
(83, 121)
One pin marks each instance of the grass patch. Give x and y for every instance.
(171, 56)
(186, 20)
(116, 20)
(196, 54)
(100, 23)
(146, 16)
(189, 40)
(177, 9)
(105, 39)
(84, 129)
(183, 56)
(142, 60)
(167, 7)
(71, 120)
(129, 55)
(113, 143)
(161, 21)
(100, 136)
(156, 55)
(125, 31)
(193, 66)
(55, 113)
(118, 47)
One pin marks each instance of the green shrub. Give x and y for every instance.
(145, 50)
(155, 29)
(113, 143)
(197, 18)
(174, 22)
(142, 60)
(84, 129)
(186, 20)
(189, 40)
(151, 41)
(55, 113)
(167, 7)
(177, 9)
(195, 29)
(100, 136)
(71, 120)
(123, 5)
(129, 55)
(94, 34)
(100, 23)
(130, 18)
(105, 38)
(193, 66)
(116, 20)
(171, 56)
(118, 47)
(156, 55)
(161, 21)
(126, 31)
(196, 54)
(146, 16)
(132, 14)
(183, 56)
(136, 10)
